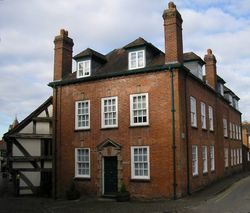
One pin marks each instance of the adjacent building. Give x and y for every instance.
(162, 123)
(29, 152)
(246, 145)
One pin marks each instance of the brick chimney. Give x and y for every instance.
(63, 55)
(173, 35)
(210, 67)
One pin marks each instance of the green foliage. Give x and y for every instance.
(123, 188)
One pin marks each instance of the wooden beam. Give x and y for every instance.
(31, 136)
(42, 119)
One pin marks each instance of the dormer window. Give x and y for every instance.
(83, 68)
(136, 59)
(221, 89)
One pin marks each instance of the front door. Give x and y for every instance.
(110, 175)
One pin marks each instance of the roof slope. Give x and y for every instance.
(28, 119)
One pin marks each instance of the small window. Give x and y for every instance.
(139, 109)
(203, 116)
(226, 157)
(83, 68)
(193, 112)
(232, 157)
(238, 156)
(211, 118)
(233, 132)
(140, 162)
(225, 127)
(136, 59)
(204, 159)
(109, 112)
(230, 130)
(235, 157)
(236, 132)
(82, 114)
(82, 162)
(239, 133)
(195, 160)
(212, 160)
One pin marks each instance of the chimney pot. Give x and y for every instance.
(171, 5)
(64, 33)
(209, 52)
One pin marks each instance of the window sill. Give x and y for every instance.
(194, 127)
(140, 180)
(109, 128)
(82, 178)
(212, 131)
(81, 130)
(204, 129)
(138, 126)
(195, 176)
(205, 173)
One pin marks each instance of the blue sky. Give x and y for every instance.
(27, 30)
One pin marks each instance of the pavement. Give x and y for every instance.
(9, 203)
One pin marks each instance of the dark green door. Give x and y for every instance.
(110, 175)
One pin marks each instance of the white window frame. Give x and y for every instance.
(226, 157)
(203, 116)
(233, 132)
(137, 65)
(86, 68)
(83, 162)
(195, 160)
(236, 132)
(225, 130)
(240, 155)
(232, 157)
(230, 130)
(109, 111)
(193, 112)
(87, 114)
(211, 118)
(132, 110)
(204, 159)
(212, 158)
(235, 157)
(134, 176)
(239, 133)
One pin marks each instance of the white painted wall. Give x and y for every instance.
(34, 177)
(19, 165)
(50, 110)
(47, 165)
(42, 128)
(42, 114)
(28, 128)
(33, 146)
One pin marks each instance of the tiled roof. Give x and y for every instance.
(190, 56)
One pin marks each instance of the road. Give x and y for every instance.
(235, 199)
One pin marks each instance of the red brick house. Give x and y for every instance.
(142, 117)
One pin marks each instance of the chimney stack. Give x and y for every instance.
(63, 55)
(210, 67)
(173, 35)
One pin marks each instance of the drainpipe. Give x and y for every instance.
(54, 142)
(173, 131)
(186, 109)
